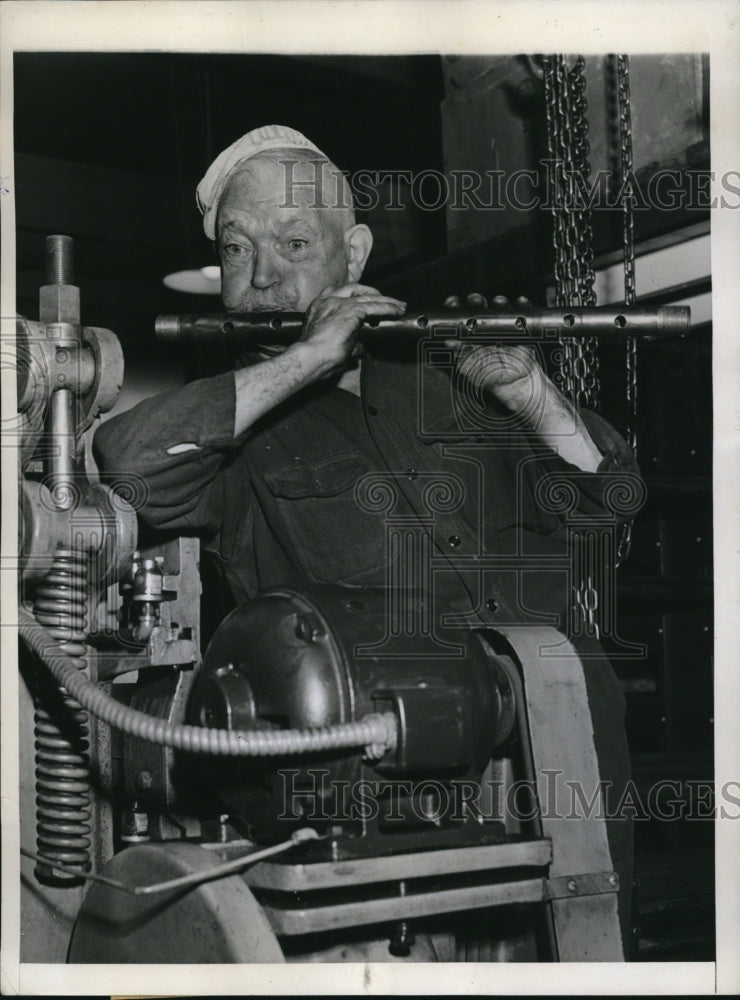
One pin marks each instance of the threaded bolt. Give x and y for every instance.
(59, 260)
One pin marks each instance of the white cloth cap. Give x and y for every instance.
(209, 191)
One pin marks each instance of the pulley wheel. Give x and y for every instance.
(214, 922)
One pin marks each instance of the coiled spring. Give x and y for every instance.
(377, 732)
(61, 729)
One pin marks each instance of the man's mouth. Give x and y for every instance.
(265, 306)
(261, 306)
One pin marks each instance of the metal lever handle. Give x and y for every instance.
(508, 325)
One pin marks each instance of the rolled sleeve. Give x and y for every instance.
(617, 455)
(615, 489)
(175, 487)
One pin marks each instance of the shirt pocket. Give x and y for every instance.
(325, 478)
(334, 538)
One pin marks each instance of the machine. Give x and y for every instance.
(303, 791)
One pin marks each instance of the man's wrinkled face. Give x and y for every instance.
(273, 256)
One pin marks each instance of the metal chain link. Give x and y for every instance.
(569, 174)
(577, 360)
(586, 349)
(585, 608)
(565, 374)
(630, 295)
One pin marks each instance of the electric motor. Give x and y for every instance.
(290, 660)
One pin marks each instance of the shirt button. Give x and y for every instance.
(412, 473)
(491, 604)
(454, 541)
(372, 411)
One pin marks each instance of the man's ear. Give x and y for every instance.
(358, 242)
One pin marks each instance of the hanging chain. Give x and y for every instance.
(586, 608)
(587, 361)
(568, 181)
(628, 239)
(628, 236)
(577, 359)
(565, 374)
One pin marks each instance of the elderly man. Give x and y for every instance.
(263, 462)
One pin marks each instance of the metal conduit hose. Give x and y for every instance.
(376, 733)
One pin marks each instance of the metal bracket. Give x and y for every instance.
(572, 886)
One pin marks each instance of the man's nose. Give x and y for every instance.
(266, 268)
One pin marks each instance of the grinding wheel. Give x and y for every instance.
(214, 922)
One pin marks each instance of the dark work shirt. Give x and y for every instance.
(418, 476)
(419, 484)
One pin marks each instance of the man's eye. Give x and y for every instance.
(297, 244)
(234, 250)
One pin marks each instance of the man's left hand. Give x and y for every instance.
(511, 374)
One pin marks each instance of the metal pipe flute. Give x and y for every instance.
(511, 326)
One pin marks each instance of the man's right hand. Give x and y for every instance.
(328, 341)
(333, 320)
